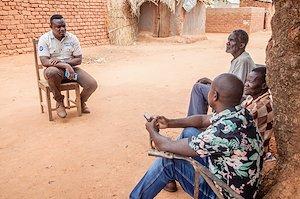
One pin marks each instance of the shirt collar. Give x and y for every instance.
(224, 113)
(247, 101)
(250, 99)
(242, 54)
(266, 94)
(52, 36)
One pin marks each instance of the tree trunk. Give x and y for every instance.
(283, 65)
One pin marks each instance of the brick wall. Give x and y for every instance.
(225, 20)
(23, 20)
(254, 3)
(269, 10)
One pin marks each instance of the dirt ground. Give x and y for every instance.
(102, 154)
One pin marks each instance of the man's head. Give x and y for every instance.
(237, 42)
(226, 91)
(58, 26)
(255, 84)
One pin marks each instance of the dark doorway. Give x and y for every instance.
(155, 19)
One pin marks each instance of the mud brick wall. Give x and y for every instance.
(225, 20)
(23, 20)
(269, 10)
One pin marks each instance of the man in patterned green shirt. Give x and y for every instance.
(234, 148)
(231, 142)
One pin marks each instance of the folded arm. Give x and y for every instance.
(76, 60)
(47, 62)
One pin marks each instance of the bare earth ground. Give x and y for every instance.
(103, 154)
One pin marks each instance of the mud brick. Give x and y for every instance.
(21, 20)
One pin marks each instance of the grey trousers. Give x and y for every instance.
(55, 76)
(198, 101)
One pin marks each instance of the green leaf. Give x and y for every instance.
(254, 157)
(242, 173)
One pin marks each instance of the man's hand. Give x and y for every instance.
(163, 143)
(162, 122)
(70, 70)
(204, 80)
(53, 61)
(152, 126)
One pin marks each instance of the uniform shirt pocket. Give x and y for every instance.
(54, 52)
(67, 50)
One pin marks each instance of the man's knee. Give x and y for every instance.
(52, 72)
(86, 81)
(93, 85)
(189, 132)
(197, 88)
(201, 89)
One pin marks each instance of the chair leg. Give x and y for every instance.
(41, 100)
(49, 104)
(78, 100)
(68, 99)
(196, 184)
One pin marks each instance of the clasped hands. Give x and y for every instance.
(156, 123)
(66, 66)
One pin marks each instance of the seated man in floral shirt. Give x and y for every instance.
(231, 143)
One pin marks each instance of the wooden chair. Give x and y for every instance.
(43, 85)
(211, 180)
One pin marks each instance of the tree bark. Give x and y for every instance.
(283, 65)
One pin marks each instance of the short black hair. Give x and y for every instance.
(230, 89)
(55, 16)
(242, 36)
(262, 71)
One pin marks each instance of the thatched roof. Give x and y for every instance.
(136, 4)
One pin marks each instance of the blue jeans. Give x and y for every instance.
(188, 133)
(198, 101)
(164, 170)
